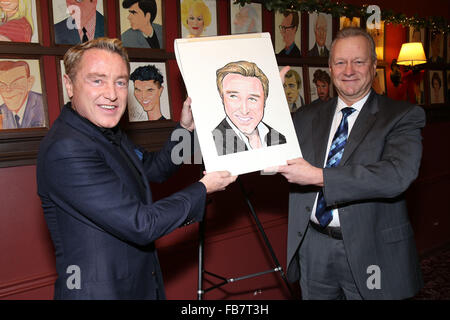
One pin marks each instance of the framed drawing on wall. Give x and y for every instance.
(378, 38)
(320, 33)
(198, 18)
(141, 26)
(416, 34)
(246, 19)
(436, 47)
(287, 33)
(19, 21)
(77, 21)
(379, 81)
(320, 84)
(294, 88)
(22, 103)
(436, 85)
(148, 92)
(448, 49)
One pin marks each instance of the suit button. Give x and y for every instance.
(153, 273)
(299, 234)
(308, 209)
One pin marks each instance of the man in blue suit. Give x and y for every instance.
(143, 32)
(94, 185)
(85, 23)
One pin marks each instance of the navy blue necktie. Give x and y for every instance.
(17, 118)
(324, 214)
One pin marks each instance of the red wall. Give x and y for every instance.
(233, 247)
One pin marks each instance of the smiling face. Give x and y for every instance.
(10, 7)
(138, 20)
(100, 87)
(352, 68)
(243, 99)
(14, 87)
(195, 23)
(148, 93)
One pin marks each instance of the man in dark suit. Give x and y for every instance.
(320, 32)
(84, 24)
(288, 30)
(94, 185)
(349, 234)
(243, 88)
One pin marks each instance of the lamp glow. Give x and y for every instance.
(411, 54)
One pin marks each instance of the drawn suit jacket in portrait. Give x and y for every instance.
(34, 115)
(314, 52)
(228, 142)
(135, 39)
(64, 35)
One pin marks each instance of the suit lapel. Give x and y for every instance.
(363, 124)
(321, 125)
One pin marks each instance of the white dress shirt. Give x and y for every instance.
(334, 126)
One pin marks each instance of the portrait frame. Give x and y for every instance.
(255, 11)
(58, 12)
(440, 59)
(313, 96)
(211, 29)
(124, 25)
(279, 43)
(378, 36)
(134, 112)
(36, 36)
(311, 42)
(417, 35)
(436, 97)
(448, 49)
(20, 147)
(379, 81)
(300, 70)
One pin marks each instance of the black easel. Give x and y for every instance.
(202, 271)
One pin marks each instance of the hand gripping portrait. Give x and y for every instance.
(243, 88)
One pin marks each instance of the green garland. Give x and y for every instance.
(336, 9)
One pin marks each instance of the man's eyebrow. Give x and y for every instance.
(132, 11)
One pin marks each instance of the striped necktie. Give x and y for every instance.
(324, 214)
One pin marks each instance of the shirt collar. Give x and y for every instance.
(357, 105)
(262, 130)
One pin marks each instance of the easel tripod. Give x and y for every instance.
(224, 281)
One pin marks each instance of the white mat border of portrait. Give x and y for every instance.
(207, 105)
(279, 44)
(211, 30)
(234, 9)
(164, 100)
(36, 65)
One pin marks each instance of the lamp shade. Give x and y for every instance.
(411, 54)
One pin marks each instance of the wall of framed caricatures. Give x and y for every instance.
(34, 37)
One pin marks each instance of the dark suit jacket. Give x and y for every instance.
(314, 52)
(64, 35)
(228, 142)
(381, 159)
(295, 52)
(99, 218)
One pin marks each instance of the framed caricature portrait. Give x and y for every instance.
(22, 104)
(320, 84)
(320, 28)
(378, 38)
(345, 22)
(287, 33)
(77, 21)
(246, 19)
(198, 18)
(148, 97)
(294, 88)
(19, 21)
(379, 81)
(448, 48)
(436, 85)
(448, 85)
(141, 27)
(436, 47)
(417, 35)
(63, 97)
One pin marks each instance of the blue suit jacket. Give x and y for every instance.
(33, 116)
(64, 35)
(97, 217)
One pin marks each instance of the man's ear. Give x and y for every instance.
(30, 82)
(161, 91)
(69, 86)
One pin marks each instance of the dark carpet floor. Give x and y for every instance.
(436, 276)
